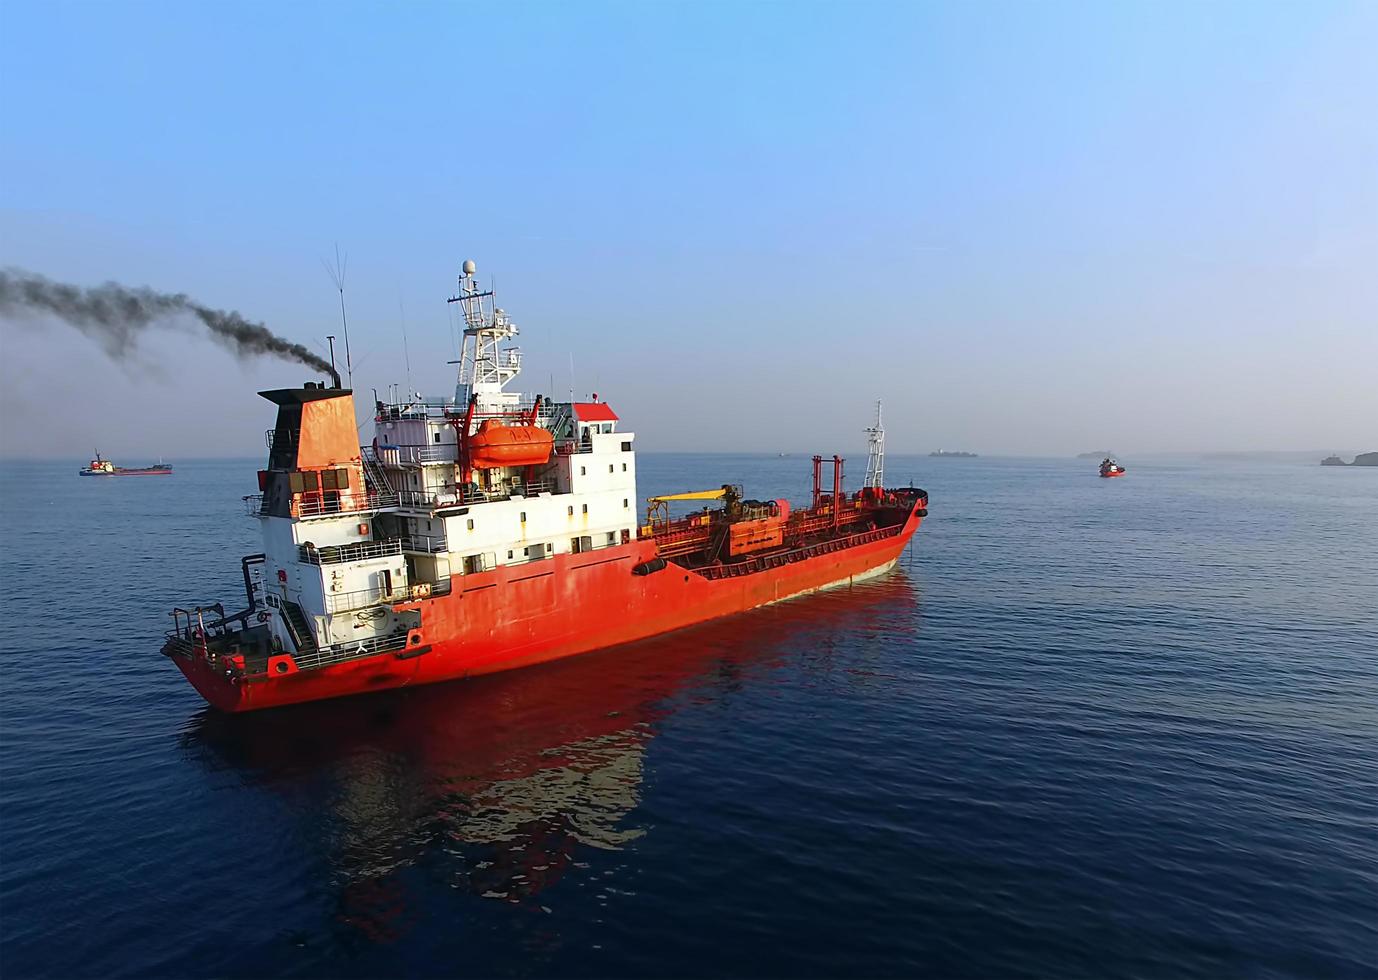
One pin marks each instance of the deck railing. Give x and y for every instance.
(338, 602)
(364, 550)
(762, 562)
(354, 650)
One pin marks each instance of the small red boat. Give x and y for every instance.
(1109, 468)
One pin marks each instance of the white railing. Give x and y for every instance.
(364, 550)
(335, 554)
(354, 650)
(338, 602)
(390, 455)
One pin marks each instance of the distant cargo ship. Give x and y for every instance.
(103, 467)
(1363, 459)
(953, 455)
(1096, 455)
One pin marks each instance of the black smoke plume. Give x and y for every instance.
(116, 315)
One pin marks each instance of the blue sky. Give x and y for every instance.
(1031, 228)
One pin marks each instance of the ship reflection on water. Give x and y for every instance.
(504, 785)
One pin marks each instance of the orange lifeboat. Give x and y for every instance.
(496, 444)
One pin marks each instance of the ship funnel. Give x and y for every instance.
(334, 376)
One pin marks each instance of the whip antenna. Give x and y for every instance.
(337, 276)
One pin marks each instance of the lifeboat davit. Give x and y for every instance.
(496, 444)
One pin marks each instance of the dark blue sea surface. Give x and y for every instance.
(1088, 728)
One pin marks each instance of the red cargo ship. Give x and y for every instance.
(103, 467)
(492, 531)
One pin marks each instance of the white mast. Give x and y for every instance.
(875, 458)
(485, 367)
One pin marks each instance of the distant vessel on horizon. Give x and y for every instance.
(103, 467)
(953, 454)
(1363, 459)
(1107, 454)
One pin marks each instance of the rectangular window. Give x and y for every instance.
(612, 538)
(609, 467)
(574, 546)
(570, 508)
(624, 467)
(342, 479)
(625, 503)
(626, 447)
(471, 523)
(582, 471)
(550, 548)
(437, 437)
(523, 517)
(509, 556)
(586, 508)
(310, 480)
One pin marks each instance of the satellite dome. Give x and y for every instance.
(469, 267)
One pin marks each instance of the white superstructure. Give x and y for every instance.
(347, 539)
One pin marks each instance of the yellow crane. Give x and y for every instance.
(659, 506)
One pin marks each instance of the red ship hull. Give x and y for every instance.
(131, 473)
(519, 615)
(1107, 475)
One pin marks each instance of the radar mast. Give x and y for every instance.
(485, 366)
(875, 452)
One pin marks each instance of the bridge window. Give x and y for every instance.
(437, 436)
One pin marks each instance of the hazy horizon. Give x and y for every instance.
(1033, 230)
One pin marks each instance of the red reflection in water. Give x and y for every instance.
(505, 779)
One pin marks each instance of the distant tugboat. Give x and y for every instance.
(103, 467)
(1109, 468)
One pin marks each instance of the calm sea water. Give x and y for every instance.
(1090, 728)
